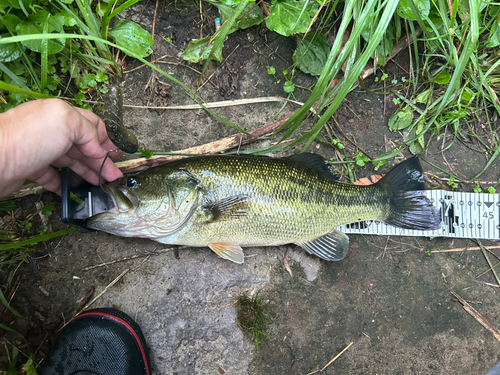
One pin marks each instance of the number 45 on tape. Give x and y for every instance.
(463, 215)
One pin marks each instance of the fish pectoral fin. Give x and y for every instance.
(233, 207)
(229, 251)
(331, 246)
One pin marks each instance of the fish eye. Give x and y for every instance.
(132, 182)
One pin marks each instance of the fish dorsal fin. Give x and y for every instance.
(331, 246)
(229, 251)
(233, 207)
(316, 162)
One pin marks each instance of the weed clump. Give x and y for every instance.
(251, 315)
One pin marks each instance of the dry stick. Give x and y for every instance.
(314, 19)
(488, 270)
(481, 319)
(489, 262)
(106, 289)
(221, 145)
(221, 104)
(459, 249)
(26, 190)
(333, 359)
(131, 258)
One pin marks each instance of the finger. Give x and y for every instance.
(85, 135)
(97, 122)
(48, 178)
(79, 168)
(110, 170)
(106, 142)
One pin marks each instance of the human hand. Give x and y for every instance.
(37, 135)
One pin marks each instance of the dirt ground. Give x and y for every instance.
(388, 297)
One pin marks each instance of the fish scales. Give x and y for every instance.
(287, 200)
(227, 202)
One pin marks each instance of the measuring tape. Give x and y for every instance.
(463, 215)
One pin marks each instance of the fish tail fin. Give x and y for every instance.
(409, 207)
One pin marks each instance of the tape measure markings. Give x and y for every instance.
(463, 215)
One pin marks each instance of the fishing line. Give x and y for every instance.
(102, 165)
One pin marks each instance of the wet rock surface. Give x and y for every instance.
(389, 297)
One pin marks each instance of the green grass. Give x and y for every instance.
(454, 78)
(251, 316)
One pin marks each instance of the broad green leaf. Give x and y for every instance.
(14, 4)
(401, 119)
(312, 53)
(467, 95)
(130, 35)
(11, 21)
(230, 2)
(423, 97)
(4, 4)
(289, 87)
(47, 210)
(68, 18)
(9, 52)
(146, 153)
(423, 6)
(28, 27)
(417, 147)
(56, 22)
(290, 17)
(442, 78)
(86, 81)
(200, 50)
(252, 14)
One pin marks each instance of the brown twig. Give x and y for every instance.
(460, 249)
(481, 319)
(131, 258)
(489, 262)
(110, 285)
(333, 360)
(221, 145)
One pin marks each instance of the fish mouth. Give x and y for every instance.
(122, 202)
(124, 205)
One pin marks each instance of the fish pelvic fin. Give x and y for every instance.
(331, 246)
(229, 251)
(409, 207)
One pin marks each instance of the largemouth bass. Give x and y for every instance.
(228, 202)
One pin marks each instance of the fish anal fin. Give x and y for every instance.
(316, 162)
(229, 208)
(331, 246)
(229, 251)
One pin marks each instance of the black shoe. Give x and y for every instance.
(99, 342)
